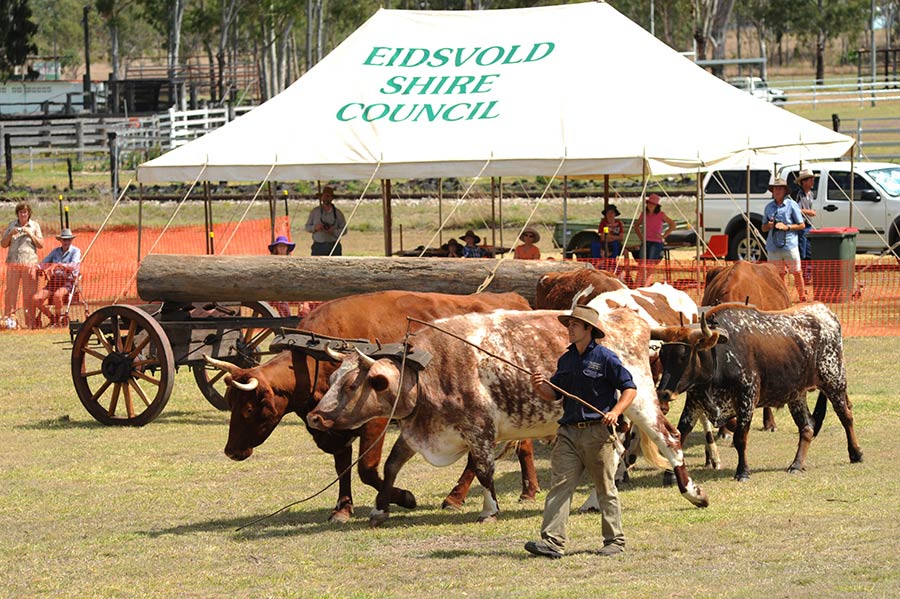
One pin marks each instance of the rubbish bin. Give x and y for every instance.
(834, 263)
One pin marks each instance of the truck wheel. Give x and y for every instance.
(894, 235)
(580, 245)
(740, 249)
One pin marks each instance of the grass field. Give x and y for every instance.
(91, 511)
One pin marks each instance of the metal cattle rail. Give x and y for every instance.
(124, 358)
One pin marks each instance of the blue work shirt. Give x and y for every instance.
(789, 214)
(58, 256)
(594, 376)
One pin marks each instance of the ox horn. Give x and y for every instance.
(704, 326)
(333, 353)
(250, 385)
(365, 362)
(222, 365)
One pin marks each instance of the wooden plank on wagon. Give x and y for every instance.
(289, 278)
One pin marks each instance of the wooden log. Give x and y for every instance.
(288, 278)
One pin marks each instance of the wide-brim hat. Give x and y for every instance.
(471, 233)
(653, 199)
(777, 182)
(587, 315)
(282, 240)
(804, 175)
(533, 231)
(451, 241)
(65, 234)
(612, 207)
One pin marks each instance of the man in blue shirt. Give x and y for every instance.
(783, 221)
(585, 438)
(60, 267)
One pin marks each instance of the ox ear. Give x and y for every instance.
(379, 383)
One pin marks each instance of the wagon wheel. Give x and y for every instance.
(122, 366)
(211, 380)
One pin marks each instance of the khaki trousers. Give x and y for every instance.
(17, 275)
(576, 450)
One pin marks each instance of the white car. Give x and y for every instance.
(757, 87)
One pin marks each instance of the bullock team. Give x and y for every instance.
(749, 349)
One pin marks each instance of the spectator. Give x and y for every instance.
(471, 250)
(454, 249)
(611, 232)
(806, 179)
(282, 246)
(60, 268)
(23, 237)
(783, 220)
(655, 218)
(529, 251)
(326, 222)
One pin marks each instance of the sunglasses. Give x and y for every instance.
(527, 234)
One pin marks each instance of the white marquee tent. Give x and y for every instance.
(575, 90)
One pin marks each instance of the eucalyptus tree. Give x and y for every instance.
(823, 20)
(17, 30)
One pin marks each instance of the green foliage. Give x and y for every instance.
(17, 31)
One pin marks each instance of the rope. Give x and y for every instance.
(355, 208)
(159, 237)
(361, 453)
(244, 215)
(522, 369)
(458, 203)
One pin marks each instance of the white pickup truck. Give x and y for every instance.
(758, 88)
(876, 203)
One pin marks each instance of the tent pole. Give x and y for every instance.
(386, 216)
(698, 226)
(747, 214)
(565, 239)
(140, 220)
(605, 194)
(493, 213)
(500, 205)
(440, 183)
(644, 223)
(852, 177)
(206, 217)
(271, 213)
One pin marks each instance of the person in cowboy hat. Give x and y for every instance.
(453, 247)
(805, 197)
(60, 268)
(326, 222)
(782, 220)
(585, 439)
(471, 249)
(611, 232)
(282, 246)
(528, 251)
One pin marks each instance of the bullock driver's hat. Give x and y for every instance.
(587, 315)
(805, 174)
(471, 233)
(777, 182)
(65, 234)
(282, 240)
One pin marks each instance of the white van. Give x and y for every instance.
(876, 203)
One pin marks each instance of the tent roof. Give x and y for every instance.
(577, 89)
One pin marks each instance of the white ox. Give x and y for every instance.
(465, 401)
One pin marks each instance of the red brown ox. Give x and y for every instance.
(757, 283)
(557, 290)
(464, 402)
(259, 397)
(748, 359)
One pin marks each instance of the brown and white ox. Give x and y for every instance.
(557, 290)
(744, 358)
(259, 397)
(466, 402)
(757, 283)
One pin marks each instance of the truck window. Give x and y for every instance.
(735, 183)
(839, 186)
(888, 178)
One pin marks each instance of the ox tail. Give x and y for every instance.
(819, 413)
(651, 453)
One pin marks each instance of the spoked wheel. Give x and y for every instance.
(245, 353)
(122, 366)
(743, 248)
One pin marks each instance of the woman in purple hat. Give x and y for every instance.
(282, 246)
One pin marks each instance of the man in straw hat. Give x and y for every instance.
(585, 438)
(60, 267)
(783, 221)
(528, 251)
(326, 222)
(805, 197)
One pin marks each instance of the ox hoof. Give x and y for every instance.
(742, 478)
(700, 499)
(771, 429)
(796, 469)
(713, 465)
(377, 518)
(526, 498)
(339, 517)
(407, 500)
(856, 458)
(668, 478)
(487, 519)
(451, 504)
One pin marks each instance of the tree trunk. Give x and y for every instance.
(114, 48)
(820, 58)
(287, 278)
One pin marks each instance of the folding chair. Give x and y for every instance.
(717, 248)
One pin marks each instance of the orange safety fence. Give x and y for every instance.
(865, 293)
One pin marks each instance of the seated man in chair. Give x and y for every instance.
(60, 268)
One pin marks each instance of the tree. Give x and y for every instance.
(710, 18)
(17, 30)
(823, 20)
